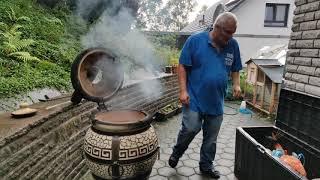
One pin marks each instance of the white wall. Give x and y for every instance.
(251, 14)
(249, 47)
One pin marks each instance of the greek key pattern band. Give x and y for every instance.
(131, 147)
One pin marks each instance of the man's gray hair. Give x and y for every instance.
(224, 17)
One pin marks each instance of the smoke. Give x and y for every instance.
(105, 75)
(112, 29)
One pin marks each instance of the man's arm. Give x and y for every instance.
(182, 76)
(236, 84)
(235, 75)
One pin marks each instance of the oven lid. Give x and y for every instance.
(97, 74)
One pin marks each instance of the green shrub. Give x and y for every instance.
(245, 88)
(168, 55)
(13, 46)
(38, 46)
(26, 77)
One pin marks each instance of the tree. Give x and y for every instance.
(175, 14)
(202, 10)
(147, 14)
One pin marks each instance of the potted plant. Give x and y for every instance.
(168, 111)
(168, 69)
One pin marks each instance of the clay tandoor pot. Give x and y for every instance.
(121, 143)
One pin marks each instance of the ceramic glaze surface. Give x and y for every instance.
(123, 157)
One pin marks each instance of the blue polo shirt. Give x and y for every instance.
(208, 71)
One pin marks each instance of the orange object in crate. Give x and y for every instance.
(294, 163)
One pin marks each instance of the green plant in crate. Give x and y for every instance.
(170, 107)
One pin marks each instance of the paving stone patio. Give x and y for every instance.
(188, 167)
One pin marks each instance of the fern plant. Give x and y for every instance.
(13, 45)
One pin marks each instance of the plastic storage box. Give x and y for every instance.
(298, 130)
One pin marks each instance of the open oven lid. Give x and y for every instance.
(299, 115)
(97, 74)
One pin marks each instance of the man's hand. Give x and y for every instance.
(184, 97)
(236, 91)
(236, 84)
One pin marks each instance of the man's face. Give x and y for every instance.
(224, 33)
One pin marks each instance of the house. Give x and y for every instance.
(263, 84)
(260, 23)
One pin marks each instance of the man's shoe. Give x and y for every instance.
(173, 161)
(211, 173)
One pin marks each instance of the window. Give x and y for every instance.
(276, 15)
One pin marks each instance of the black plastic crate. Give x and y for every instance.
(298, 128)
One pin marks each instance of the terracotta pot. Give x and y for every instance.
(121, 145)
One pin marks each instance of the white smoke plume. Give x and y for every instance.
(113, 31)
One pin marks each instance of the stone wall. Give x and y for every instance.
(303, 61)
(12, 103)
(51, 148)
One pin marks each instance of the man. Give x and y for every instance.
(206, 61)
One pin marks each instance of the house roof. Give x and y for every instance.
(271, 67)
(206, 20)
(275, 73)
(265, 62)
(231, 5)
(276, 52)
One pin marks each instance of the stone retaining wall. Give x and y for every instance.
(51, 148)
(303, 61)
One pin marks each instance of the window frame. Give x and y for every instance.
(274, 8)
